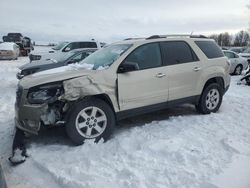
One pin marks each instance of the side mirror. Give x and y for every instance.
(128, 67)
(70, 62)
(67, 49)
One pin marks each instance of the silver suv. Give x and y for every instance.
(124, 79)
(62, 50)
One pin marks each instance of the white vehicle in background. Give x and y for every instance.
(62, 49)
(246, 54)
(9, 50)
(237, 49)
(237, 63)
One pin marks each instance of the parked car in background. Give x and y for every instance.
(73, 56)
(246, 54)
(237, 49)
(237, 63)
(24, 43)
(9, 50)
(122, 80)
(63, 49)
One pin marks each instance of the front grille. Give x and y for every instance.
(34, 57)
(19, 91)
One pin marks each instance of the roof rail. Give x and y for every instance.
(175, 35)
(134, 38)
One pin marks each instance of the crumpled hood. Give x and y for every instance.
(56, 74)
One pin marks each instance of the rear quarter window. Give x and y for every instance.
(210, 49)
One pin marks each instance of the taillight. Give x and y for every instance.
(228, 66)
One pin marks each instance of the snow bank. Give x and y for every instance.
(102, 67)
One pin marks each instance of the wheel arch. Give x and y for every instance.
(101, 96)
(105, 98)
(217, 79)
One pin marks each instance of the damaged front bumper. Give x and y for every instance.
(28, 116)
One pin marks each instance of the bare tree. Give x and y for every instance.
(214, 36)
(223, 39)
(241, 38)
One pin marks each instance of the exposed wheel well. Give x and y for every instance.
(105, 98)
(218, 80)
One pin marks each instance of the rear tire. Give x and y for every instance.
(210, 99)
(90, 119)
(248, 80)
(238, 70)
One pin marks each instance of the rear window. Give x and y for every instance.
(210, 49)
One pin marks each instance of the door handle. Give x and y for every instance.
(196, 69)
(160, 75)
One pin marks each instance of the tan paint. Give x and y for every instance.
(135, 89)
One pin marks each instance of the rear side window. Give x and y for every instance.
(210, 49)
(146, 56)
(229, 55)
(177, 52)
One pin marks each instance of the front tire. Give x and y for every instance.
(90, 119)
(210, 100)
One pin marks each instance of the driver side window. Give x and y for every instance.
(146, 56)
(71, 46)
(77, 58)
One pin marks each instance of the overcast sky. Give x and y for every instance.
(111, 20)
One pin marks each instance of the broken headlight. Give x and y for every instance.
(44, 93)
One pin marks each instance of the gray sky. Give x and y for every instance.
(111, 20)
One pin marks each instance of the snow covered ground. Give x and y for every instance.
(170, 148)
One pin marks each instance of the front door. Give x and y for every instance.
(146, 86)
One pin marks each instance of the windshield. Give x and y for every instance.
(247, 50)
(63, 57)
(106, 56)
(60, 46)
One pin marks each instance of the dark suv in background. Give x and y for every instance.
(74, 56)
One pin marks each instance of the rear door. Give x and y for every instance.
(183, 69)
(146, 86)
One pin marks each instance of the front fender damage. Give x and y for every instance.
(81, 87)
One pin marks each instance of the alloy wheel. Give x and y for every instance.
(91, 122)
(212, 99)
